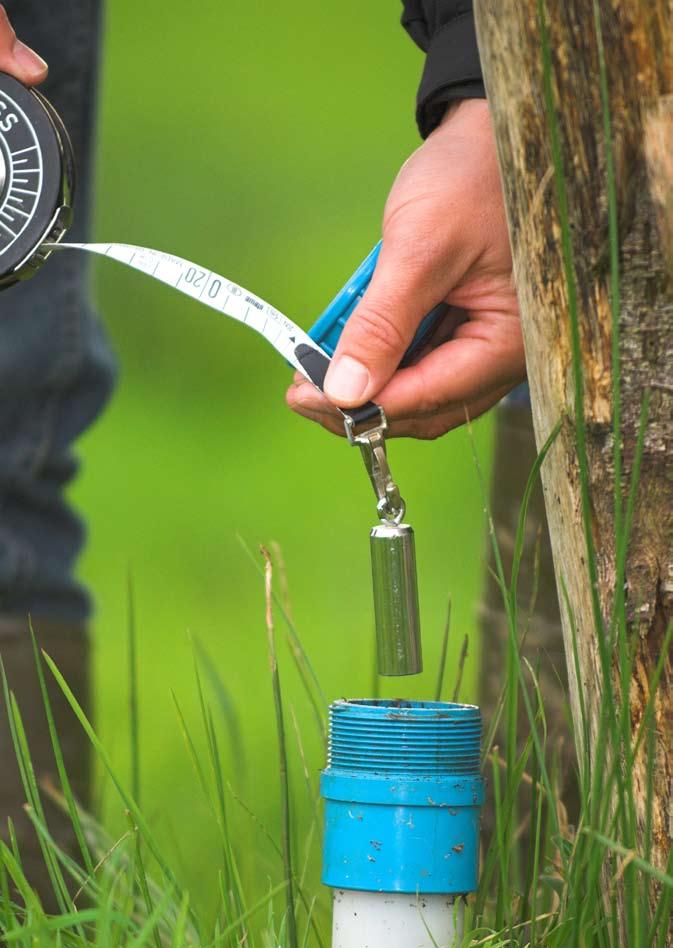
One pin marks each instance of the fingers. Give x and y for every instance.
(433, 427)
(425, 429)
(304, 399)
(405, 286)
(16, 58)
(483, 357)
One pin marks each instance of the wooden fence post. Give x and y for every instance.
(637, 41)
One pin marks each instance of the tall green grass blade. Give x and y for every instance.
(623, 538)
(145, 889)
(16, 874)
(134, 714)
(192, 752)
(311, 793)
(653, 686)
(665, 878)
(441, 669)
(267, 900)
(13, 842)
(532, 884)
(257, 822)
(513, 652)
(207, 793)
(584, 758)
(502, 894)
(503, 803)
(375, 686)
(107, 764)
(225, 704)
(307, 673)
(90, 881)
(180, 938)
(513, 656)
(8, 919)
(74, 871)
(660, 927)
(232, 880)
(531, 483)
(309, 926)
(30, 787)
(286, 826)
(650, 750)
(149, 930)
(460, 670)
(58, 756)
(315, 822)
(235, 883)
(573, 307)
(615, 283)
(58, 923)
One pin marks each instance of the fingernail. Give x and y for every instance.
(347, 380)
(27, 59)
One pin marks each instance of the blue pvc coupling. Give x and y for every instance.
(403, 795)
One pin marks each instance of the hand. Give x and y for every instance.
(444, 238)
(16, 58)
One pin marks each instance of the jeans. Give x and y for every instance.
(56, 368)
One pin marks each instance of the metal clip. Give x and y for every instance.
(372, 444)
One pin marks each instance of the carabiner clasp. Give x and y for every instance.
(372, 444)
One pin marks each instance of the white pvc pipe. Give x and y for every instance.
(396, 920)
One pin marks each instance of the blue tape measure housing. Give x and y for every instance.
(328, 328)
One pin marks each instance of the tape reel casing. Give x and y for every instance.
(37, 180)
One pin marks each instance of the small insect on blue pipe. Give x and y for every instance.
(403, 794)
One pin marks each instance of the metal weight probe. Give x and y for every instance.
(391, 541)
(396, 614)
(393, 556)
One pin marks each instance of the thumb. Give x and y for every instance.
(381, 328)
(16, 58)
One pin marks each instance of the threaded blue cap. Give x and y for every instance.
(403, 793)
(410, 737)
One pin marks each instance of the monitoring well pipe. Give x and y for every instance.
(403, 794)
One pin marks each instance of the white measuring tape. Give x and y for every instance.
(213, 290)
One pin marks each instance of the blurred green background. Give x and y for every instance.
(260, 140)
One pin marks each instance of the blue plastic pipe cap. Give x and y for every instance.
(403, 795)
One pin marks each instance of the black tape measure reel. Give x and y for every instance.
(37, 180)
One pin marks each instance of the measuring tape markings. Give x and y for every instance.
(219, 293)
(35, 151)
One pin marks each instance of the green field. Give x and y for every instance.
(261, 141)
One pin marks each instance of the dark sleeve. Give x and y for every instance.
(444, 29)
